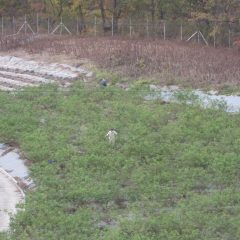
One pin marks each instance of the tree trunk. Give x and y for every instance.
(102, 9)
(115, 16)
(161, 14)
(82, 26)
(101, 6)
(153, 10)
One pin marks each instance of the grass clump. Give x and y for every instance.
(172, 174)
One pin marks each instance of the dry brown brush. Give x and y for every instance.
(15, 41)
(166, 62)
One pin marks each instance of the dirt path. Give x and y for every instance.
(10, 196)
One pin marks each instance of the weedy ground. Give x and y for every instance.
(158, 61)
(172, 174)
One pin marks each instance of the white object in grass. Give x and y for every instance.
(111, 135)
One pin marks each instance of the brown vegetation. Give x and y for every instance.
(236, 43)
(163, 61)
(15, 41)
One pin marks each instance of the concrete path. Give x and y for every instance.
(10, 196)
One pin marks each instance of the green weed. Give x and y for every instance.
(173, 172)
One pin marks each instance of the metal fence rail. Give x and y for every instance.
(204, 32)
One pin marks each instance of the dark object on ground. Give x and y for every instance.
(62, 166)
(51, 161)
(103, 83)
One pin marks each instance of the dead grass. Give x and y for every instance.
(166, 62)
(11, 42)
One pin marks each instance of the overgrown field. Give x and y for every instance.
(160, 61)
(172, 174)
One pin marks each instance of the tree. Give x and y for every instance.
(80, 7)
(14, 7)
(103, 15)
(56, 7)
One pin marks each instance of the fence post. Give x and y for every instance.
(229, 38)
(61, 27)
(130, 27)
(112, 27)
(37, 23)
(14, 27)
(164, 30)
(77, 26)
(147, 27)
(48, 26)
(214, 40)
(181, 31)
(95, 26)
(25, 25)
(2, 27)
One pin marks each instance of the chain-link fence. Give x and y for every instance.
(205, 32)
